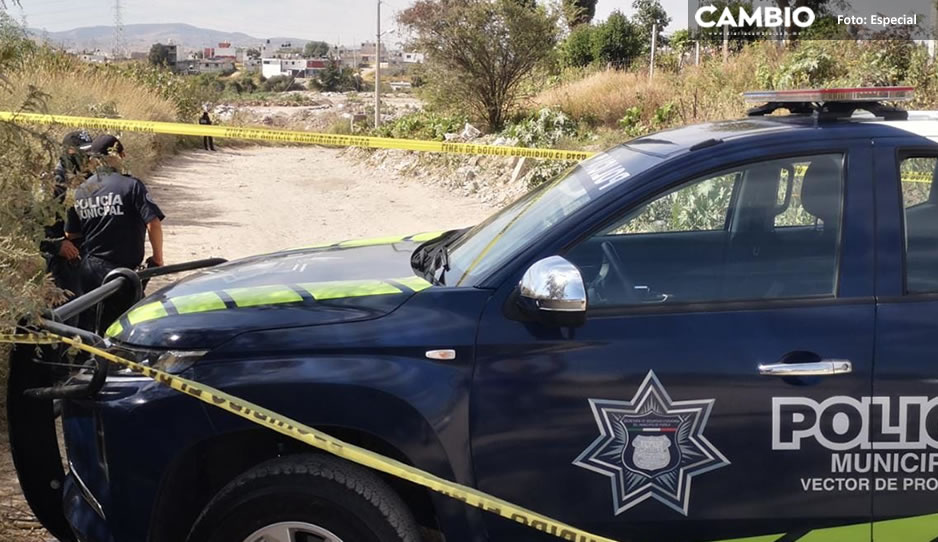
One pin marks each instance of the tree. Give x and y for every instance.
(480, 53)
(681, 41)
(330, 78)
(578, 47)
(159, 55)
(647, 14)
(577, 12)
(616, 41)
(253, 53)
(315, 49)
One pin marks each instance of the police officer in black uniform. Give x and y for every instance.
(62, 255)
(112, 215)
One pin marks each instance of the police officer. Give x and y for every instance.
(112, 215)
(205, 120)
(61, 254)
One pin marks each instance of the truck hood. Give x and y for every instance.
(342, 282)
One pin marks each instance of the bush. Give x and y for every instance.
(280, 83)
(577, 49)
(616, 42)
(422, 125)
(543, 128)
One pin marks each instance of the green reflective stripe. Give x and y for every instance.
(846, 533)
(150, 311)
(263, 295)
(372, 242)
(115, 329)
(308, 247)
(203, 302)
(430, 235)
(760, 538)
(915, 529)
(348, 288)
(414, 283)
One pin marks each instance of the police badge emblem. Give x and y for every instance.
(651, 453)
(651, 447)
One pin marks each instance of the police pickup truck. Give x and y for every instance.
(720, 332)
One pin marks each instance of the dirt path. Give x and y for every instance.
(235, 203)
(240, 202)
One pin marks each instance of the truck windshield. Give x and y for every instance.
(500, 237)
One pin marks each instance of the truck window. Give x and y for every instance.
(767, 230)
(920, 203)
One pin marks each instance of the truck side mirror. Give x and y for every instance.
(553, 292)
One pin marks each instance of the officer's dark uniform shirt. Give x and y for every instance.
(111, 213)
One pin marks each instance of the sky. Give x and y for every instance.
(334, 21)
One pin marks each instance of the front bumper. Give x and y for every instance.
(120, 447)
(81, 514)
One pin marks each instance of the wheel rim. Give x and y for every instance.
(292, 531)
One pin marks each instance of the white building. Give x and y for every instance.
(413, 58)
(293, 66)
(270, 67)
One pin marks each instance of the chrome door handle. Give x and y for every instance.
(825, 367)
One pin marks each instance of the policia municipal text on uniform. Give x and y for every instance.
(112, 215)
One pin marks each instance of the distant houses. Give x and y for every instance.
(270, 58)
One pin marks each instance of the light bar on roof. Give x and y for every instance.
(868, 94)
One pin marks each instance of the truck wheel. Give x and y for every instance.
(304, 499)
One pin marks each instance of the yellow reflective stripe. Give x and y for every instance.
(427, 236)
(414, 283)
(372, 242)
(115, 329)
(915, 529)
(203, 302)
(348, 288)
(263, 295)
(150, 311)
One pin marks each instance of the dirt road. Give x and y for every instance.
(240, 202)
(235, 203)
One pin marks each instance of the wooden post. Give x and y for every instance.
(654, 38)
(726, 44)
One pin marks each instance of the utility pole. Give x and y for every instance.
(118, 49)
(654, 37)
(697, 52)
(378, 71)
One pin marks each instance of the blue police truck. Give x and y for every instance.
(720, 332)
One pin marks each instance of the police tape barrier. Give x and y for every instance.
(304, 433)
(288, 136)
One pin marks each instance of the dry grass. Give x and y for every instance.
(698, 93)
(87, 94)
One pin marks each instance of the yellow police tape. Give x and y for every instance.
(288, 136)
(304, 433)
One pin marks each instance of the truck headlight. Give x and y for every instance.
(169, 361)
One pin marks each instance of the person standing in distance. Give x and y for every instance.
(112, 215)
(207, 141)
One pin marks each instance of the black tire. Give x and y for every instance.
(347, 500)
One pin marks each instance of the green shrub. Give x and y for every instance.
(577, 49)
(280, 83)
(422, 125)
(543, 128)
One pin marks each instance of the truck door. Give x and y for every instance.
(903, 454)
(691, 406)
